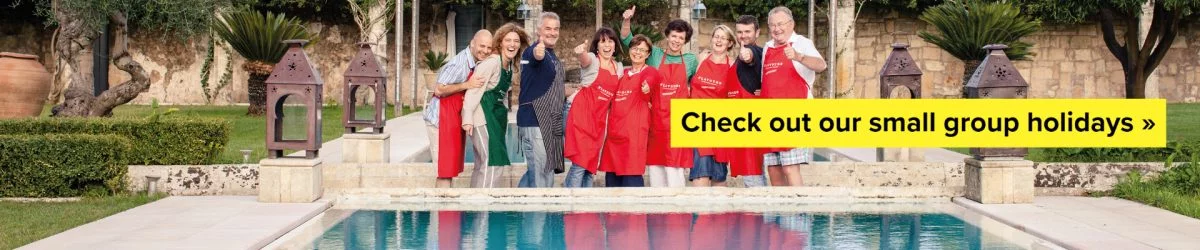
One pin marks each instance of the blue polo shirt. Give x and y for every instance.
(537, 76)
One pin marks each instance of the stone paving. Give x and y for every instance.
(1096, 223)
(189, 222)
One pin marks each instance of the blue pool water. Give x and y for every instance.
(366, 229)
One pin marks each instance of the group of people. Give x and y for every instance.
(619, 121)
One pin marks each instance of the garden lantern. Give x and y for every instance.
(365, 73)
(900, 72)
(699, 11)
(294, 77)
(996, 77)
(523, 11)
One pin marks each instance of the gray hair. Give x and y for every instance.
(781, 9)
(547, 15)
(544, 16)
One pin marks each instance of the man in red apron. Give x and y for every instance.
(452, 84)
(790, 63)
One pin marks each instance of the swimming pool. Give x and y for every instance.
(400, 229)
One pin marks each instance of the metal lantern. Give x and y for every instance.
(365, 72)
(294, 77)
(699, 11)
(901, 72)
(523, 11)
(997, 78)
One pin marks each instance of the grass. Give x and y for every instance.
(1158, 193)
(23, 223)
(1183, 124)
(249, 132)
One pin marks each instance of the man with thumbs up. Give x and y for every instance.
(540, 123)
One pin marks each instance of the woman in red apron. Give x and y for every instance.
(624, 154)
(588, 109)
(667, 165)
(712, 81)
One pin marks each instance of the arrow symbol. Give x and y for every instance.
(1149, 124)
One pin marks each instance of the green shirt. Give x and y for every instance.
(657, 55)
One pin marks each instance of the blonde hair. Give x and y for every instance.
(498, 39)
(734, 44)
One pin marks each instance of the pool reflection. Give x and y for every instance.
(592, 230)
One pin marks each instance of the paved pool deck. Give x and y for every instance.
(1096, 222)
(189, 222)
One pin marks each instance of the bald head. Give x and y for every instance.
(481, 44)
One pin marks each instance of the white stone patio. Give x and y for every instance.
(1096, 223)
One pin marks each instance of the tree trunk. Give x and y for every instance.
(75, 38)
(969, 67)
(257, 89)
(1140, 57)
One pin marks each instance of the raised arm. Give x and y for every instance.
(626, 31)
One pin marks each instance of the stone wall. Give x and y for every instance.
(1070, 61)
(196, 180)
(1081, 178)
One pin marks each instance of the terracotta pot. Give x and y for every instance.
(430, 80)
(24, 84)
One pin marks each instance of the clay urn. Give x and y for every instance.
(24, 84)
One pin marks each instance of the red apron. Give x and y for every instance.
(711, 231)
(450, 134)
(626, 231)
(742, 161)
(449, 229)
(674, 85)
(586, 121)
(711, 82)
(780, 79)
(670, 231)
(625, 144)
(583, 230)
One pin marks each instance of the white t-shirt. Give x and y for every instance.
(804, 46)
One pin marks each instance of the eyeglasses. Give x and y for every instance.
(779, 24)
(639, 50)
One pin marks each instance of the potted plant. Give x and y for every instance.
(964, 27)
(434, 60)
(259, 37)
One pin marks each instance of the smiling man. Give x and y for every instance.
(540, 123)
(790, 65)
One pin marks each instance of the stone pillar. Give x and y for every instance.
(1000, 181)
(844, 47)
(531, 22)
(366, 148)
(289, 180)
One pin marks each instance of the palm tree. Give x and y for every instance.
(964, 27)
(259, 38)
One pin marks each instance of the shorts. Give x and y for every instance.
(707, 166)
(794, 156)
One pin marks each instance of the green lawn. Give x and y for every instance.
(23, 223)
(249, 132)
(1183, 123)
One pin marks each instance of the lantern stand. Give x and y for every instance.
(900, 78)
(364, 140)
(292, 178)
(998, 175)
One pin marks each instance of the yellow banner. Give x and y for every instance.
(918, 123)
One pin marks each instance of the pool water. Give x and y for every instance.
(375, 229)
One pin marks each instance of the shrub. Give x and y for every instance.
(1119, 154)
(164, 142)
(62, 164)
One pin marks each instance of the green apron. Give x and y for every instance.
(496, 115)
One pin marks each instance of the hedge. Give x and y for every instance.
(62, 165)
(182, 141)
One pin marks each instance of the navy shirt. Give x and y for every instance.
(750, 74)
(536, 78)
